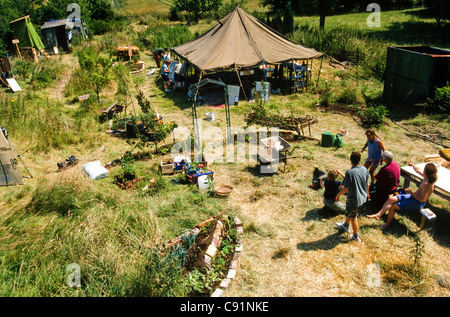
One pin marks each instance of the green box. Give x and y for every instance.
(328, 139)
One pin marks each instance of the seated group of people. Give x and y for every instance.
(385, 193)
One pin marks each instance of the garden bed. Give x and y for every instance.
(217, 248)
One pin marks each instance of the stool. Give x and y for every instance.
(426, 214)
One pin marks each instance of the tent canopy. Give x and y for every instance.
(25, 32)
(192, 88)
(240, 40)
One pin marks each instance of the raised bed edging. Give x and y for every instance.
(234, 265)
(234, 262)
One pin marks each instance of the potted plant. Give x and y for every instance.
(128, 178)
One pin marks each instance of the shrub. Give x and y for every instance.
(348, 94)
(197, 8)
(45, 73)
(374, 115)
(96, 69)
(23, 69)
(441, 100)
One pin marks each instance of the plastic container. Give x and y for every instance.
(202, 182)
(328, 139)
(344, 131)
(210, 116)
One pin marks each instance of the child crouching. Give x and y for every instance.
(331, 190)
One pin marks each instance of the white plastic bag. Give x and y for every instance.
(95, 170)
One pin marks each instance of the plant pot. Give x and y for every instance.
(129, 176)
(126, 184)
(132, 128)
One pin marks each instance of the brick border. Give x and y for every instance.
(234, 265)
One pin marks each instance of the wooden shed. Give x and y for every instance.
(59, 33)
(412, 73)
(54, 34)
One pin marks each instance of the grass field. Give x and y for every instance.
(290, 248)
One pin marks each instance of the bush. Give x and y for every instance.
(374, 115)
(76, 85)
(348, 94)
(23, 70)
(197, 8)
(45, 73)
(440, 102)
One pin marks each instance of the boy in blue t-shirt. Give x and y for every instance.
(332, 188)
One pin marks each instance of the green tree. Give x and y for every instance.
(196, 8)
(96, 68)
(288, 19)
(8, 13)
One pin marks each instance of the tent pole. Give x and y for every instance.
(227, 113)
(18, 156)
(194, 117)
(306, 74)
(4, 173)
(318, 76)
(240, 82)
(292, 74)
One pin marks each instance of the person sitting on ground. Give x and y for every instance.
(165, 71)
(410, 201)
(331, 190)
(376, 147)
(387, 179)
(356, 186)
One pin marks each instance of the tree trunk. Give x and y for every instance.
(322, 4)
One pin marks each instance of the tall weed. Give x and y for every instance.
(346, 43)
(165, 36)
(43, 122)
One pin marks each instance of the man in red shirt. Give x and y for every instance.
(387, 178)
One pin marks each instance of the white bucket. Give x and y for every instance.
(202, 182)
(210, 116)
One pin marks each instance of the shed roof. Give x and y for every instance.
(53, 24)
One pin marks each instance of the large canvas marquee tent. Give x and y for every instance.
(240, 40)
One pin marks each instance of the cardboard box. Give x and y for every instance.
(167, 166)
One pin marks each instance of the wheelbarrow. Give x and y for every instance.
(273, 151)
